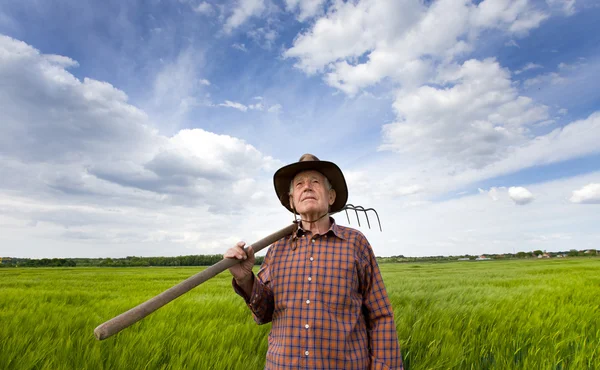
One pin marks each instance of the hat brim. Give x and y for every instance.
(284, 176)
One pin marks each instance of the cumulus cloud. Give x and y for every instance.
(75, 154)
(96, 119)
(473, 121)
(403, 38)
(587, 195)
(520, 195)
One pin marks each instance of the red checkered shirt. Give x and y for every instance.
(327, 303)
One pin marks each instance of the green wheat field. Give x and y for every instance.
(534, 314)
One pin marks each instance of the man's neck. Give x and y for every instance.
(319, 227)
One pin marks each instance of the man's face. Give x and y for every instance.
(310, 195)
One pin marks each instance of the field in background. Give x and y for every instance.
(539, 314)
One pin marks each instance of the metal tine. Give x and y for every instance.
(361, 208)
(379, 222)
(350, 206)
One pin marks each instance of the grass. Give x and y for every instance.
(484, 315)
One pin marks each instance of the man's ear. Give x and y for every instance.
(292, 202)
(332, 195)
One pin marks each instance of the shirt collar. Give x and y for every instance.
(334, 229)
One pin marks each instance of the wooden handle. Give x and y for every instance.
(126, 319)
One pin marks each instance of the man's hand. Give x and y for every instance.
(242, 272)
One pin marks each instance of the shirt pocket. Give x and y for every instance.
(338, 284)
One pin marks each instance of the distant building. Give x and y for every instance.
(464, 259)
(482, 258)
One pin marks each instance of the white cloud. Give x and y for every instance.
(581, 62)
(277, 108)
(81, 164)
(520, 195)
(566, 6)
(551, 78)
(259, 106)
(494, 192)
(204, 82)
(240, 47)
(404, 39)
(244, 10)
(263, 36)
(473, 224)
(473, 122)
(528, 67)
(307, 8)
(234, 105)
(204, 8)
(588, 194)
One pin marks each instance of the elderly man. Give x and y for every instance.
(320, 287)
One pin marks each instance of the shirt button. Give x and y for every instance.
(307, 326)
(309, 278)
(313, 241)
(308, 301)
(306, 353)
(312, 259)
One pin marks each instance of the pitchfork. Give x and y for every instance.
(128, 318)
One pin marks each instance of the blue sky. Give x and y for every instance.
(154, 128)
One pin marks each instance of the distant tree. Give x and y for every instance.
(522, 255)
(573, 253)
(538, 252)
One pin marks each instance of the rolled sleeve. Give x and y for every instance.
(260, 301)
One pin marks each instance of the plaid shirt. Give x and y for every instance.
(327, 302)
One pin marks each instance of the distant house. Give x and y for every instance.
(464, 259)
(482, 258)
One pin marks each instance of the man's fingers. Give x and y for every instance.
(237, 252)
